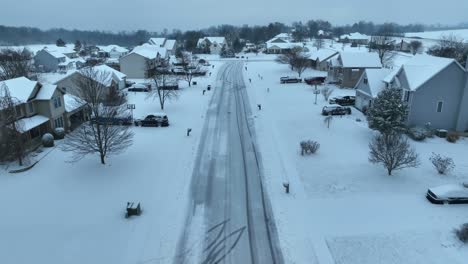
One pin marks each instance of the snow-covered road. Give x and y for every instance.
(228, 218)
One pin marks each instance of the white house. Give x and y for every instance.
(169, 44)
(356, 37)
(212, 44)
(112, 51)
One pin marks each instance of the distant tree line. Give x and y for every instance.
(234, 34)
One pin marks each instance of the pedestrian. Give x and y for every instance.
(268, 90)
(210, 73)
(245, 67)
(250, 80)
(259, 106)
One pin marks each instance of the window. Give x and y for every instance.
(406, 96)
(439, 107)
(58, 122)
(366, 81)
(19, 112)
(57, 102)
(30, 107)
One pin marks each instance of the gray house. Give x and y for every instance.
(348, 67)
(48, 60)
(436, 90)
(319, 58)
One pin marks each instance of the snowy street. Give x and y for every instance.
(228, 219)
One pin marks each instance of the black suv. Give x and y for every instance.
(336, 110)
(288, 79)
(343, 100)
(153, 120)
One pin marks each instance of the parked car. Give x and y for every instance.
(114, 121)
(315, 80)
(288, 79)
(139, 87)
(336, 110)
(155, 120)
(343, 100)
(448, 194)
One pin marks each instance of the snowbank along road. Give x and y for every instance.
(229, 218)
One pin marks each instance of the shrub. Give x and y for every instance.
(48, 140)
(309, 147)
(462, 233)
(442, 164)
(417, 133)
(453, 137)
(59, 133)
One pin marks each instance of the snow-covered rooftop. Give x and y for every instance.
(114, 48)
(170, 44)
(218, 40)
(46, 92)
(421, 68)
(149, 51)
(55, 54)
(20, 88)
(375, 80)
(355, 36)
(321, 54)
(157, 41)
(360, 60)
(286, 45)
(72, 102)
(26, 124)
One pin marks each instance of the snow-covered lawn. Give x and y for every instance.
(61, 212)
(343, 209)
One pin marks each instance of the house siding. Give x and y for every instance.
(134, 66)
(446, 87)
(462, 121)
(49, 62)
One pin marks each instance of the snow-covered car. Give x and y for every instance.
(288, 79)
(343, 100)
(178, 70)
(336, 110)
(448, 194)
(139, 87)
(154, 120)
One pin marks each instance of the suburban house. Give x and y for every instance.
(39, 108)
(319, 59)
(113, 80)
(142, 60)
(213, 45)
(112, 51)
(355, 38)
(348, 67)
(281, 43)
(169, 44)
(48, 60)
(436, 90)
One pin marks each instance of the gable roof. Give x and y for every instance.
(112, 74)
(285, 45)
(46, 92)
(355, 36)
(170, 44)
(421, 68)
(322, 54)
(54, 53)
(149, 51)
(375, 80)
(157, 41)
(20, 89)
(360, 60)
(115, 48)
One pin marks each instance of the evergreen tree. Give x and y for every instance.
(388, 112)
(237, 45)
(60, 43)
(77, 46)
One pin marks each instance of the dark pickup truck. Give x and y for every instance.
(343, 100)
(315, 80)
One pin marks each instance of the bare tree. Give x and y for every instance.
(393, 152)
(163, 82)
(450, 46)
(383, 45)
(290, 56)
(99, 136)
(11, 140)
(14, 63)
(319, 42)
(190, 65)
(415, 46)
(326, 92)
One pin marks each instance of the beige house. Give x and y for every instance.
(142, 60)
(212, 44)
(39, 108)
(114, 80)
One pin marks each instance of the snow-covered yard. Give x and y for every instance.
(343, 209)
(61, 212)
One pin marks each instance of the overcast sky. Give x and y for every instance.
(155, 15)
